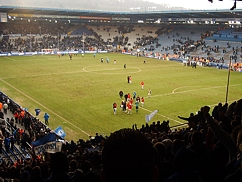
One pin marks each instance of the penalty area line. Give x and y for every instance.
(186, 91)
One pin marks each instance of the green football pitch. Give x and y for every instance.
(78, 94)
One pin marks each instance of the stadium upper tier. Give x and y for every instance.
(132, 16)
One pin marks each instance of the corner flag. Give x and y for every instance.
(148, 117)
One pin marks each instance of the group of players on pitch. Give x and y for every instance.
(128, 101)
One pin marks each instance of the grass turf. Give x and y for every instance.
(78, 94)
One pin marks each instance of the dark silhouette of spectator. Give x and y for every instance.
(176, 145)
(36, 175)
(2, 123)
(192, 121)
(165, 167)
(25, 176)
(59, 168)
(185, 162)
(7, 143)
(216, 109)
(168, 143)
(94, 174)
(128, 156)
(2, 138)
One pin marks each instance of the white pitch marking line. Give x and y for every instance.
(62, 73)
(45, 107)
(96, 71)
(173, 91)
(192, 90)
(9, 58)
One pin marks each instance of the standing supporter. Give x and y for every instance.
(185, 162)
(1, 106)
(192, 121)
(59, 168)
(2, 138)
(36, 175)
(94, 174)
(21, 116)
(21, 131)
(46, 117)
(12, 140)
(128, 156)
(7, 143)
(12, 123)
(27, 122)
(16, 116)
(2, 124)
(5, 107)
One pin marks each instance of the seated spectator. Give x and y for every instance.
(128, 156)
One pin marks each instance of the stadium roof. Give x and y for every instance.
(186, 14)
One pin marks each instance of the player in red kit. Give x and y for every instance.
(142, 101)
(114, 108)
(142, 85)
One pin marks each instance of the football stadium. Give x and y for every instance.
(74, 76)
